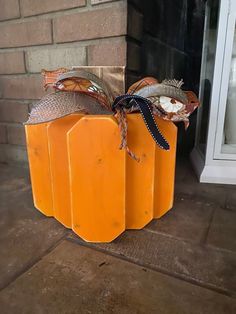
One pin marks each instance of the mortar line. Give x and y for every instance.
(20, 9)
(68, 44)
(52, 31)
(24, 59)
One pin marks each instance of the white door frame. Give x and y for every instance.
(215, 167)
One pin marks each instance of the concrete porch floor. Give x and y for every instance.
(182, 263)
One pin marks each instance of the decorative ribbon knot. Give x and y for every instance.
(129, 103)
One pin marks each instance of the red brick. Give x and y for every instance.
(32, 7)
(91, 24)
(25, 34)
(16, 134)
(21, 87)
(112, 53)
(3, 134)
(13, 111)
(9, 9)
(51, 58)
(12, 62)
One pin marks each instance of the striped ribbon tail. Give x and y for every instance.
(126, 102)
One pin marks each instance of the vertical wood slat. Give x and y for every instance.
(38, 155)
(164, 170)
(139, 175)
(97, 168)
(59, 165)
(149, 182)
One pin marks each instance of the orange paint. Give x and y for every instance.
(165, 170)
(80, 176)
(38, 155)
(139, 175)
(97, 169)
(59, 164)
(150, 182)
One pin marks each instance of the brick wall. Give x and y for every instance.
(49, 34)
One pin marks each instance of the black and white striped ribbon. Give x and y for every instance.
(126, 102)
